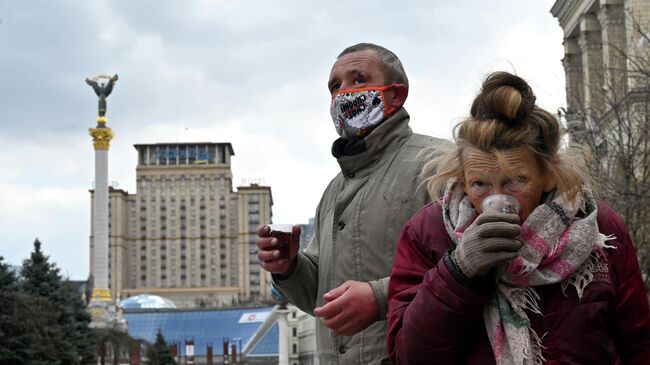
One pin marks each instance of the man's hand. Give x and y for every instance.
(351, 308)
(270, 255)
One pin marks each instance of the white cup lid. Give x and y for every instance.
(286, 228)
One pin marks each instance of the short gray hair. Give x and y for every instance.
(393, 69)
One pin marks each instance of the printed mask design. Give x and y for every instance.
(356, 112)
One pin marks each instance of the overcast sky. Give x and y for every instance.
(252, 73)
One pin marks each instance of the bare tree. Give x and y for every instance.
(616, 134)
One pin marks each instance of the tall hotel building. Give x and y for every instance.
(186, 235)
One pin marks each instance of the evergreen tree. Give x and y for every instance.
(41, 280)
(39, 276)
(159, 353)
(9, 325)
(83, 338)
(63, 332)
(22, 318)
(7, 277)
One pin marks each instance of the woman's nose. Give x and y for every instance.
(496, 190)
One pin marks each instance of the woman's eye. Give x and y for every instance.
(479, 188)
(516, 185)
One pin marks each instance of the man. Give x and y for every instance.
(342, 276)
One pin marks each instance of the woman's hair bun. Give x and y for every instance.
(504, 97)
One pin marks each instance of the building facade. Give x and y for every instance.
(607, 66)
(602, 40)
(186, 234)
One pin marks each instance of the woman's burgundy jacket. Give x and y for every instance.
(436, 313)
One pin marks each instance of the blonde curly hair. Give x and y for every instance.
(504, 116)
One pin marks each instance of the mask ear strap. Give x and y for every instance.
(388, 109)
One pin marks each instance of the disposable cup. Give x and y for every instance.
(500, 203)
(284, 234)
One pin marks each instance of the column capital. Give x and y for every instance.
(101, 137)
(572, 63)
(611, 14)
(589, 22)
(571, 46)
(590, 40)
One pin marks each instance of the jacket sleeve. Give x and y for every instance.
(380, 289)
(630, 315)
(300, 287)
(431, 314)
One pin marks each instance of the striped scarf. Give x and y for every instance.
(558, 247)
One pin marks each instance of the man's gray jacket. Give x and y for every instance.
(357, 224)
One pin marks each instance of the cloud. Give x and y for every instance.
(252, 73)
(56, 216)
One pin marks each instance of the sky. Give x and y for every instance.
(250, 72)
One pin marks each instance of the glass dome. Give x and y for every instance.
(147, 301)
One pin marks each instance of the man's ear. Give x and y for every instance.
(401, 92)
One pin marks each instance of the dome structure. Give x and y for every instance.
(147, 301)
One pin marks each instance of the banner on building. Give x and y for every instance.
(254, 317)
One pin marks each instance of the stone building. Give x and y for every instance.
(607, 65)
(186, 234)
(601, 41)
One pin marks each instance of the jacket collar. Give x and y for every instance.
(355, 155)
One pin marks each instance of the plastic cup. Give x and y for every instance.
(500, 203)
(284, 234)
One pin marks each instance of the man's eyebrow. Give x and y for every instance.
(354, 71)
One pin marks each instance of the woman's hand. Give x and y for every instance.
(488, 242)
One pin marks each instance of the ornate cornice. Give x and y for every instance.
(101, 137)
(569, 12)
(590, 40)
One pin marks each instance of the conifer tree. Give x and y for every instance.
(63, 334)
(39, 276)
(41, 280)
(22, 321)
(159, 353)
(7, 277)
(10, 327)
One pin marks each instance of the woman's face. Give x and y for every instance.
(522, 177)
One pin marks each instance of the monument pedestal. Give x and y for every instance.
(103, 313)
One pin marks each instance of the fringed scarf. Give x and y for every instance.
(558, 247)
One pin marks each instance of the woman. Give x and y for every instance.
(556, 283)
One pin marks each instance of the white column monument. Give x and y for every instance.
(102, 309)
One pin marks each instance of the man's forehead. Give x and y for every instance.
(357, 62)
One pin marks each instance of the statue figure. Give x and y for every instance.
(102, 90)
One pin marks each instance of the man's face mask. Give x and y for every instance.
(356, 112)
